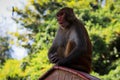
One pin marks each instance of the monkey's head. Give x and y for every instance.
(65, 16)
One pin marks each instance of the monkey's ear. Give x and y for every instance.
(70, 16)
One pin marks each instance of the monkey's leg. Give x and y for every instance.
(69, 47)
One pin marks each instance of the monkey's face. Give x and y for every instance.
(61, 20)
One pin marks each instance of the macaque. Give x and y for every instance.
(71, 47)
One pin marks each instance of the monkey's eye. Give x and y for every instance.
(60, 14)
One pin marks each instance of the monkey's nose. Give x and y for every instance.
(58, 18)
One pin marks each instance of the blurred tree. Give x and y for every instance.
(3, 49)
(34, 17)
(101, 23)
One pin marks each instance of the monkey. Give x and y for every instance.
(71, 47)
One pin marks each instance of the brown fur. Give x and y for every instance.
(71, 46)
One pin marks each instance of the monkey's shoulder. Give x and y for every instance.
(73, 35)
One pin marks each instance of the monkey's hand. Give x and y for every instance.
(54, 58)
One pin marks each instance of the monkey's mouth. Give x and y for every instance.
(60, 22)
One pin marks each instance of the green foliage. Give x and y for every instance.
(3, 49)
(11, 70)
(31, 67)
(36, 66)
(114, 73)
(103, 26)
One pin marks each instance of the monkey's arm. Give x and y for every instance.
(53, 51)
(52, 54)
(79, 49)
